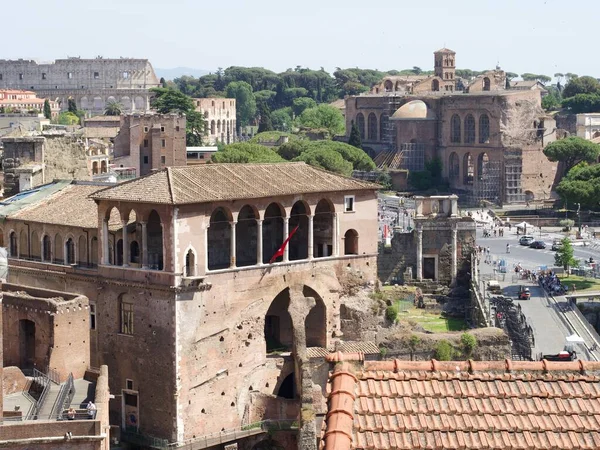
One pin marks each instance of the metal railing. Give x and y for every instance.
(54, 376)
(42, 380)
(64, 399)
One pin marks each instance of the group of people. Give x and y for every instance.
(550, 281)
(90, 408)
(498, 232)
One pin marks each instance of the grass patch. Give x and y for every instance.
(582, 284)
(433, 322)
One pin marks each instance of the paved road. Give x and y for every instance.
(551, 325)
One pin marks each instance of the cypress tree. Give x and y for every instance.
(355, 139)
(163, 82)
(72, 106)
(47, 110)
(265, 123)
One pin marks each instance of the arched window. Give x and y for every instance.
(246, 237)
(103, 167)
(47, 249)
(483, 162)
(272, 231)
(219, 240)
(134, 252)
(454, 167)
(372, 123)
(70, 252)
(212, 127)
(484, 129)
(486, 84)
(351, 242)
(24, 244)
(59, 249)
(360, 123)
(388, 86)
(455, 132)
(468, 169)
(82, 251)
(299, 242)
(469, 129)
(190, 263)
(323, 229)
(13, 245)
(95, 168)
(435, 85)
(119, 261)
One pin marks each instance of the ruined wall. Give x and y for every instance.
(13, 379)
(393, 261)
(50, 435)
(65, 158)
(19, 152)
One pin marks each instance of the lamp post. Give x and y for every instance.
(579, 217)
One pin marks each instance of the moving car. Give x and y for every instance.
(526, 240)
(556, 244)
(524, 293)
(537, 244)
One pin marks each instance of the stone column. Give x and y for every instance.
(125, 245)
(286, 233)
(311, 249)
(105, 259)
(206, 249)
(232, 246)
(454, 252)
(336, 237)
(419, 253)
(259, 242)
(144, 245)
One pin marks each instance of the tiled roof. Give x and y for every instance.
(462, 405)
(215, 182)
(70, 206)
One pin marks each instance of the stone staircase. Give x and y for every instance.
(49, 401)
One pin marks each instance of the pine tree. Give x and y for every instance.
(72, 106)
(47, 110)
(163, 82)
(355, 139)
(265, 123)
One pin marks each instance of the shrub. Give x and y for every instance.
(566, 223)
(469, 342)
(444, 351)
(391, 313)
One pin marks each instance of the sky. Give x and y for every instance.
(537, 36)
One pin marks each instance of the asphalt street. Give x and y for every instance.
(543, 314)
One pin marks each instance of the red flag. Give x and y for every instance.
(279, 252)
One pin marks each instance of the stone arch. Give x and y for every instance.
(13, 244)
(272, 231)
(298, 245)
(453, 167)
(139, 103)
(190, 263)
(486, 84)
(287, 388)
(455, 129)
(219, 239)
(596, 134)
(46, 248)
(278, 330)
(134, 252)
(372, 127)
(483, 162)
(111, 99)
(95, 168)
(529, 196)
(94, 251)
(316, 320)
(484, 129)
(98, 103)
(388, 85)
(115, 223)
(323, 229)
(82, 251)
(360, 123)
(83, 103)
(246, 237)
(213, 127)
(351, 242)
(70, 251)
(59, 249)
(126, 103)
(468, 169)
(36, 246)
(23, 244)
(469, 129)
(435, 85)
(155, 241)
(103, 166)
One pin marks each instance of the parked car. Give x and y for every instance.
(537, 244)
(524, 293)
(556, 244)
(526, 240)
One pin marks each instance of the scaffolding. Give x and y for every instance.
(412, 157)
(513, 171)
(488, 185)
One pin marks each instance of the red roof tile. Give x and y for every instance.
(462, 405)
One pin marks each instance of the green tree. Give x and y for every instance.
(301, 104)
(72, 106)
(293, 149)
(264, 113)
(564, 256)
(571, 151)
(355, 157)
(47, 110)
(581, 185)
(421, 181)
(245, 101)
(550, 102)
(511, 75)
(245, 152)
(323, 117)
(67, 118)
(581, 85)
(326, 159)
(355, 139)
(168, 100)
(282, 119)
(435, 167)
(163, 82)
(444, 351)
(113, 108)
(582, 103)
(469, 343)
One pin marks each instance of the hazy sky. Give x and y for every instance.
(539, 36)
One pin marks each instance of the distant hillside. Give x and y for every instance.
(176, 72)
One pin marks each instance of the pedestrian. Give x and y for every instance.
(507, 248)
(71, 414)
(91, 410)
(574, 289)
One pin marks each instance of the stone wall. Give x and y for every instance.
(14, 380)
(65, 158)
(19, 152)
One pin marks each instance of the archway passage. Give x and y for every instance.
(246, 237)
(272, 231)
(287, 389)
(435, 85)
(70, 252)
(486, 84)
(316, 321)
(190, 263)
(47, 249)
(483, 162)
(323, 229)
(26, 344)
(278, 324)
(298, 244)
(468, 169)
(351, 242)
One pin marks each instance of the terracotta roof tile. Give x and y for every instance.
(431, 405)
(215, 182)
